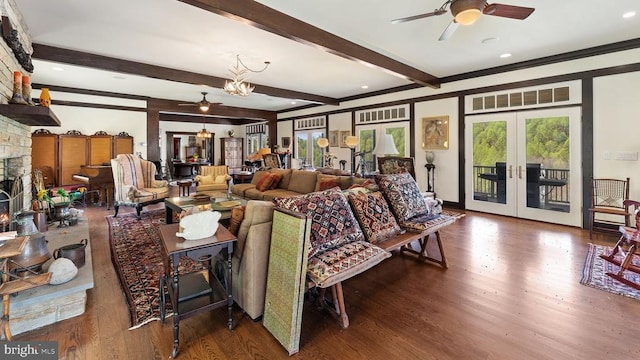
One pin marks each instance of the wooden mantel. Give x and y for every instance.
(30, 115)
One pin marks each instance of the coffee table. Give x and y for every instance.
(182, 203)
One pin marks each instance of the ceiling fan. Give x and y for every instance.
(466, 12)
(203, 104)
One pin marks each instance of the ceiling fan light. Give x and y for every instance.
(204, 107)
(468, 16)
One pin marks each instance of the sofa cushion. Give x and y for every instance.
(303, 182)
(333, 222)
(325, 182)
(286, 177)
(276, 178)
(220, 179)
(239, 189)
(332, 266)
(278, 193)
(257, 176)
(403, 195)
(373, 214)
(432, 222)
(205, 179)
(265, 183)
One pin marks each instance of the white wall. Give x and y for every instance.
(446, 161)
(617, 95)
(616, 112)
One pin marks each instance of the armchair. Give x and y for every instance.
(134, 183)
(212, 179)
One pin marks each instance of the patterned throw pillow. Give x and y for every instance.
(375, 217)
(237, 215)
(265, 183)
(403, 195)
(332, 223)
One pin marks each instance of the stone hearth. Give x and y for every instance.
(48, 304)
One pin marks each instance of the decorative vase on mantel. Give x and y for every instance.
(45, 98)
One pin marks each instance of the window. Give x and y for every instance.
(369, 135)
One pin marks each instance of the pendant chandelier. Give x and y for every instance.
(204, 134)
(238, 86)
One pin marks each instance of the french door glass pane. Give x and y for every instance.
(547, 156)
(489, 161)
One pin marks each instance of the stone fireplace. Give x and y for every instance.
(15, 163)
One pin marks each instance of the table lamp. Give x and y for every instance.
(385, 146)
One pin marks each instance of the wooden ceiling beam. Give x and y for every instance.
(207, 119)
(79, 58)
(262, 17)
(229, 112)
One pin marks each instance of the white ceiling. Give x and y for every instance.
(176, 35)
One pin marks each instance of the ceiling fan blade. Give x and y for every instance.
(192, 104)
(446, 34)
(508, 11)
(435, 12)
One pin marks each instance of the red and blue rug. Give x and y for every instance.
(595, 271)
(137, 256)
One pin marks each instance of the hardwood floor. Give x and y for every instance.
(511, 292)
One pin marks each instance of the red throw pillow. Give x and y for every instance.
(328, 184)
(276, 180)
(265, 182)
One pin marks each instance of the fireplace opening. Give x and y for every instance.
(11, 202)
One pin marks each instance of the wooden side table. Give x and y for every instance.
(184, 187)
(191, 294)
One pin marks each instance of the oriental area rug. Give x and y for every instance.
(595, 271)
(137, 256)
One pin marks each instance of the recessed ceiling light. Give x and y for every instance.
(57, 68)
(629, 14)
(365, 86)
(293, 103)
(505, 55)
(490, 40)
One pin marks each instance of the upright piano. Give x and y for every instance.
(99, 178)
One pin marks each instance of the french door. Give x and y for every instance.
(525, 164)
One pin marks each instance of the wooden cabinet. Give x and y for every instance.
(44, 151)
(65, 154)
(122, 144)
(232, 152)
(73, 153)
(100, 149)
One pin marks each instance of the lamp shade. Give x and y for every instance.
(385, 146)
(323, 142)
(351, 141)
(263, 151)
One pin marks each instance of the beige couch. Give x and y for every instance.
(293, 182)
(251, 257)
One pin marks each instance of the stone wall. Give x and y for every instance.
(15, 138)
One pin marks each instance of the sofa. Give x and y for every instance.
(212, 179)
(283, 183)
(251, 257)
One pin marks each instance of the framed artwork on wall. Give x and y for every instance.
(343, 138)
(435, 133)
(334, 138)
(286, 141)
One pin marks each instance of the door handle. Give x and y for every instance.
(510, 171)
(520, 171)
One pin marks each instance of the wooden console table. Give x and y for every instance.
(198, 293)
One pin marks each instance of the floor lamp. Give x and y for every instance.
(323, 143)
(352, 141)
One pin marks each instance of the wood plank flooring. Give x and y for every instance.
(511, 292)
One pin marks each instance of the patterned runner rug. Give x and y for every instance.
(595, 269)
(136, 253)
